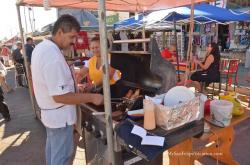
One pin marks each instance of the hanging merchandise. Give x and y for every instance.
(196, 28)
(203, 42)
(208, 28)
(197, 40)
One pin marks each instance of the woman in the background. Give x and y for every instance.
(210, 67)
(93, 66)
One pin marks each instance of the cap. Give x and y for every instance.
(18, 42)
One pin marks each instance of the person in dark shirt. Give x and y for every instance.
(17, 55)
(29, 46)
(19, 64)
(210, 67)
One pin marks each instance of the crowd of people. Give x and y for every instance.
(6, 56)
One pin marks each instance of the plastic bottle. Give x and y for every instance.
(149, 115)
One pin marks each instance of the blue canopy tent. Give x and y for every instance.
(203, 13)
(130, 23)
(134, 23)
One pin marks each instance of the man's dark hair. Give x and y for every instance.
(66, 23)
(29, 39)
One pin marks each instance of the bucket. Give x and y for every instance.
(221, 112)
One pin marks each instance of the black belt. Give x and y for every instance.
(52, 108)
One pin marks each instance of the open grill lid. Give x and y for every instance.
(147, 70)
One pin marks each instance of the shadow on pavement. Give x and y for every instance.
(22, 139)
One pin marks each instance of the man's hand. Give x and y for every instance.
(97, 99)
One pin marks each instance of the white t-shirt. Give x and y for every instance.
(51, 76)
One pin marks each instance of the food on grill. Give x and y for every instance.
(136, 94)
(129, 94)
(133, 95)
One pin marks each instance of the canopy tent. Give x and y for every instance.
(102, 5)
(84, 17)
(114, 5)
(203, 13)
(11, 41)
(134, 23)
(130, 23)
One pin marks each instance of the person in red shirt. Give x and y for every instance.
(169, 54)
(5, 52)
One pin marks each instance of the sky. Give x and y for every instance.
(9, 21)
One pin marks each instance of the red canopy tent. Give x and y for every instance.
(114, 5)
(11, 41)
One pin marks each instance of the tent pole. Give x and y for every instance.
(191, 30)
(144, 36)
(25, 20)
(106, 84)
(163, 40)
(176, 45)
(32, 98)
(216, 32)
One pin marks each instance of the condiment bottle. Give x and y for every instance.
(149, 114)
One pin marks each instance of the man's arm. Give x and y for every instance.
(78, 98)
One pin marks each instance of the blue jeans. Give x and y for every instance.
(59, 145)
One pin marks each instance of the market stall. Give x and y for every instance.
(203, 14)
(205, 31)
(128, 6)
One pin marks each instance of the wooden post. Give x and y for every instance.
(216, 33)
(106, 84)
(176, 45)
(143, 37)
(28, 74)
(190, 41)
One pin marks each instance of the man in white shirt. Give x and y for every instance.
(54, 90)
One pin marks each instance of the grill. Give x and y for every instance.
(146, 71)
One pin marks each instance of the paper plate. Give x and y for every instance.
(177, 95)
